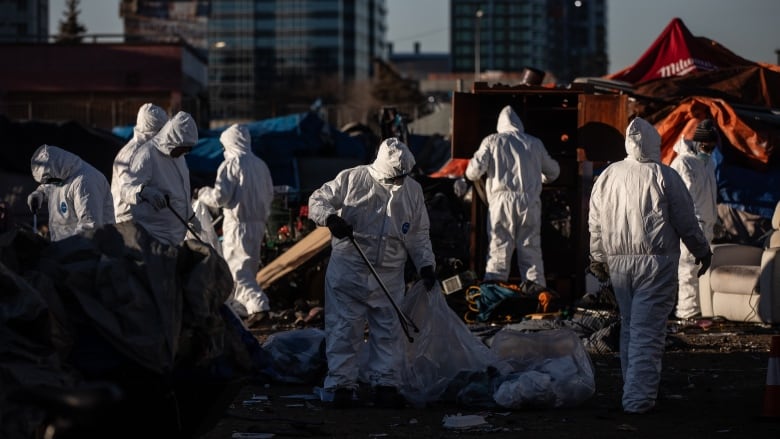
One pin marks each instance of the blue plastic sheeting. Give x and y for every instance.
(747, 189)
(278, 141)
(124, 132)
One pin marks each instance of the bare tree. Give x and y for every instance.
(71, 31)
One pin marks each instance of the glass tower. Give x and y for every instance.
(24, 21)
(564, 37)
(266, 54)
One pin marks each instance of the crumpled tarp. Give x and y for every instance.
(112, 299)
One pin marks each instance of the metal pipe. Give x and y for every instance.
(405, 321)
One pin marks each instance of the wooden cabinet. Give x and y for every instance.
(582, 131)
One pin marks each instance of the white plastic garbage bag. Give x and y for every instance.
(542, 369)
(207, 233)
(444, 346)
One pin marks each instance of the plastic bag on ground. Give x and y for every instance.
(298, 356)
(442, 349)
(542, 369)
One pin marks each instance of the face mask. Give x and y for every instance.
(52, 181)
(180, 150)
(395, 181)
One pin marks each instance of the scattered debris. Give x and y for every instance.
(458, 422)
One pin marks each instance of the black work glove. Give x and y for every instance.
(34, 201)
(705, 262)
(428, 277)
(338, 227)
(600, 270)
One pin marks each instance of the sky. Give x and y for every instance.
(748, 28)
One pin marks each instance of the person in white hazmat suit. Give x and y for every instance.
(158, 184)
(516, 164)
(149, 121)
(78, 195)
(697, 169)
(384, 211)
(244, 190)
(640, 210)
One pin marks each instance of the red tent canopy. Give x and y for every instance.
(676, 52)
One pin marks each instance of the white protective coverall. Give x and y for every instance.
(697, 170)
(516, 164)
(390, 222)
(639, 212)
(244, 190)
(81, 201)
(149, 121)
(152, 166)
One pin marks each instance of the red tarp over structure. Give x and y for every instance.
(676, 52)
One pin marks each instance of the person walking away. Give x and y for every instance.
(695, 165)
(640, 210)
(78, 195)
(244, 190)
(383, 210)
(158, 184)
(516, 164)
(149, 121)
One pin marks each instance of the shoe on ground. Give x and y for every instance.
(342, 398)
(692, 320)
(387, 397)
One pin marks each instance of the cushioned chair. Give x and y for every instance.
(743, 282)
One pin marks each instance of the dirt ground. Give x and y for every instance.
(713, 385)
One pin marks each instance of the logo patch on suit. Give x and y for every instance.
(405, 228)
(63, 207)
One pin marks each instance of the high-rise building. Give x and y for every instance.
(166, 21)
(24, 20)
(566, 38)
(266, 54)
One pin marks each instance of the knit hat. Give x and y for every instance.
(705, 132)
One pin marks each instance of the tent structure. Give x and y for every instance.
(682, 76)
(301, 150)
(677, 52)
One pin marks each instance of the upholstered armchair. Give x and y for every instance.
(743, 282)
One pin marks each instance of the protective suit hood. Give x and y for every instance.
(53, 162)
(149, 121)
(393, 159)
(685, 146)
(508, 120)
(236, 140)
(181, 130)
(643, 143)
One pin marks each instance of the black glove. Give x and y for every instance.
(600, 270)
(428, 277)
(34, 201)
(705, 262)
(338, 227)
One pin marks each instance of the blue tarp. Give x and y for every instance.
(745, 188)
(278, 141)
